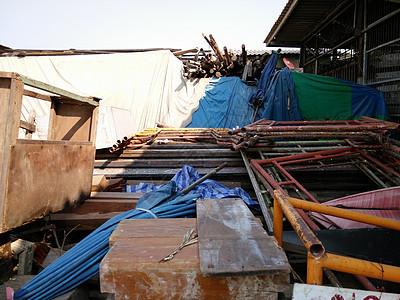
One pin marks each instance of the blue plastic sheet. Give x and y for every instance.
(82, 261)
(259, 96)
(208, 189)
(366, 101)
(224, 105)
(281, 102)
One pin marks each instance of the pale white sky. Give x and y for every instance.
(124, 24)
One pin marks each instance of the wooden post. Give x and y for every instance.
(11, 91)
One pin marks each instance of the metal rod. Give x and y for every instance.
(310, 241)
(265, 211)
(208, 175)
(345, 213)
(349, 265)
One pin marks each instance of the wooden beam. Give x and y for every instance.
(55, 90)
(37, 95)
(28, 126)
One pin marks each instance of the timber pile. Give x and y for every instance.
(223, 63)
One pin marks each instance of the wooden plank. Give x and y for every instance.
(114, 183)
(37, 95)
(163, 172)
(172, 153)
(89, 221)
(172, 228)
(232, 242)
(52, 89)
(166, 162)
(99, 183)
(28, 126)
(11, 91)
(46, 177)
(101, 206)
(116, 195)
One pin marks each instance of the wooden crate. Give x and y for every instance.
(42, 176)
(131, 269)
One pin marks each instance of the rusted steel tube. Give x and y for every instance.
(276, 186)
(234, 131)
(349, 265)
(306, 155)
(365, 283)
(208, 175)
(323, 128)
(292, 179)
(258, 122)
(344, 213)
(236, 147)
(314, 135)
(252, 141)
(310, 241)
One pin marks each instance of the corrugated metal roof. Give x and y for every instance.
(297, 20)
(261, 52)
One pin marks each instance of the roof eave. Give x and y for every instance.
(285, 14)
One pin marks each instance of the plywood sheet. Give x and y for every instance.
(232, 242)
(46, 176)
(144, 228)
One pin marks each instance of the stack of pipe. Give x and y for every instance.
(264, 132)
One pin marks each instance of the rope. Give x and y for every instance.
(148, 211)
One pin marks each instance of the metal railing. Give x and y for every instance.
(317, 257)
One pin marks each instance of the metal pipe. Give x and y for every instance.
(252, 141)
(208, 175)
(349, 265)
(309, 156)
(344, 213)
(276, 186)
(310, 241)
(377, 22)
(317, 258)
(264, 209)
(327, 128)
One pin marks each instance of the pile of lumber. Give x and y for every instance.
(222, 63)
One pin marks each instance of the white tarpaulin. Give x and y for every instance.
(137, 89)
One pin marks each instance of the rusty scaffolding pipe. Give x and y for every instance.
(310, 241)
(344, 213)
(317, 258)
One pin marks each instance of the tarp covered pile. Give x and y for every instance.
(82, 261)
(141, 89)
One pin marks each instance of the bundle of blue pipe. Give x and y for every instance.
(82, 261)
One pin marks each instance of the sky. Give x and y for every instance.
(124, 24)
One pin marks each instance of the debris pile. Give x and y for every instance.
(223, 63)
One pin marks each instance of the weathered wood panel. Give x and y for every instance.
(232, 241)
(72, 122)
(131, 268)
(46, 176)
(11, 91)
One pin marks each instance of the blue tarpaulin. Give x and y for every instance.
(259, 96)
(208, 189)
(82, 261)
(323, 97)
(224, 104)
(281, 102)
